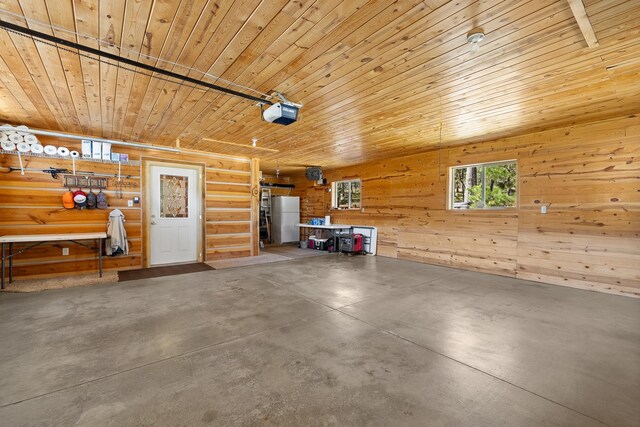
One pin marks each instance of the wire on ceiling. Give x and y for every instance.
(102, 42)
(114, 64)
(7, 26)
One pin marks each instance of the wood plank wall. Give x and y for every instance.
(587, 175)
(33, 204)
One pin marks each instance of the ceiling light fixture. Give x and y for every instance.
(474, 37)
(254, 141)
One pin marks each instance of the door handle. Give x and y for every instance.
(153, 223)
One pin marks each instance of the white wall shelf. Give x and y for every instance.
(57, 157)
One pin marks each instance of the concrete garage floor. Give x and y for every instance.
(320, 341)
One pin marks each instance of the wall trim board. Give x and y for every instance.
(255, 207)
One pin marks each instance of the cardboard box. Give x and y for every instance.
(96, 150)
(322, 234)
(86, 149)
(106, 151)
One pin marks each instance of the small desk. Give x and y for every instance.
(38, 239)
(334, 229)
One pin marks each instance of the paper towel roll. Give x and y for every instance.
(30, 139)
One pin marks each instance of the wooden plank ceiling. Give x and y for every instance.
(376, 77)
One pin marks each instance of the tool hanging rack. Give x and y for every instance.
(55, 172)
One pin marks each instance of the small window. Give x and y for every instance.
(483, 186)
(347, 194)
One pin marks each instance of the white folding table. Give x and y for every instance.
(38, 239)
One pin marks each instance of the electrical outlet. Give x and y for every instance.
(65, 251)
(543, 209)
(130, 203)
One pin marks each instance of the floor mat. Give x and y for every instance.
(169, 270)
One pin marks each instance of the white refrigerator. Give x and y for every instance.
(285, 211)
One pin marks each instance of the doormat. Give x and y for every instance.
(169, 270)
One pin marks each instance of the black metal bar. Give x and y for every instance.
(11, 254)
(82, 244)
(2, 265)
(10, 262)
(100, 255)
(275, 185)
(67, 43)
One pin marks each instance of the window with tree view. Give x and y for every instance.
(484, 186)
(346, 194)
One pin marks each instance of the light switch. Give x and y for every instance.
(543, 209)
(129, 203)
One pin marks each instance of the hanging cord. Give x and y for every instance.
(440, 139)
(133, 52)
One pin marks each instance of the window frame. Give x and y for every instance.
(334, 194)
(451, 183)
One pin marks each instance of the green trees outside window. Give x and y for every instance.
(482, 186)
(346, 194)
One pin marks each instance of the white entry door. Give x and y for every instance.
(174, 215)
